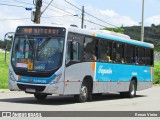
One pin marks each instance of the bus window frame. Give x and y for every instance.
(97, 39)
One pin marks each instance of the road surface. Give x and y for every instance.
(146, 100)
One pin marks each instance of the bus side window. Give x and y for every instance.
(74, 47)
(102, 50)
(114, 52)
(89, 49)
(151, 57)
(68, 57)
(137, 56)
(130, 54)
(120, 53)
(75, 50)
(141, 55)
(147, 56)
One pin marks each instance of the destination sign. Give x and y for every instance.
(40, 31)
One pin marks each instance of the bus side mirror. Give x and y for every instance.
(8, 37)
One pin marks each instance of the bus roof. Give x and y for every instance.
(111, 36)
(101, 34)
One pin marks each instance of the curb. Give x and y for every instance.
(8, 91)
(4, 91)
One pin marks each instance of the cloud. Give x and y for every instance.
(109, 13)
(111, 17)
(60, 17)
(153, 20)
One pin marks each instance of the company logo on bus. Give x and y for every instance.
(104, 71)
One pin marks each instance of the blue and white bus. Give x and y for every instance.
(61, 60)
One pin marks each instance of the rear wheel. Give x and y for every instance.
(132, 91)
(40, 96)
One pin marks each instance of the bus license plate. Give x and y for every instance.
(30, 90)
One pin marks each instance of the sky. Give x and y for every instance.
(114, 12)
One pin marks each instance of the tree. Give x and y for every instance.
(153, 25)
(117, 30)
(1, 44)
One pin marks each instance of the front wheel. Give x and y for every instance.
(40, 96)
(84, 93)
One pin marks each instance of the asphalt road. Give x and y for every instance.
(146, 100)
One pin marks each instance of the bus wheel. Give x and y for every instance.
(132, 90)
(40, 96)
(83, 96)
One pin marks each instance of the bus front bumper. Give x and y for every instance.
(37, 88)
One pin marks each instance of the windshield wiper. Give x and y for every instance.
(26, 38)
(45, 42)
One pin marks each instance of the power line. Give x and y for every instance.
(91, 15)
(101, 20)
(71, 14)
(73, 5)
(75, 16)
(95, 23)
(14, 19)
(23, 2)
(11, 5)
(59, 8)
(30, 18)
(47, 7)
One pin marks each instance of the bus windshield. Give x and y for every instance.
(37, 53)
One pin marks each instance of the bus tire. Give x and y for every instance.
(132, 91)
(84, 93)
(40, 96)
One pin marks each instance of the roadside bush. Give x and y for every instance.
(156, 73)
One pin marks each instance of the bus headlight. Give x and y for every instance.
(56, 79)
(12, 76)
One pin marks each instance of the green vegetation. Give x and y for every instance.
(2, 44)
(157, 73)
(4, 71)
(151, 34)
(118, 30)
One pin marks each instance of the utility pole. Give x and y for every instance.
(36, 15)
(82, 24)
(142, 25)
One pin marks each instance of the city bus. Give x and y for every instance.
(47, 59)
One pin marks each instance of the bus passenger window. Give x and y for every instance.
(68, 57)
(75, 47)
(114, 52)
(75, 51)
(129, 54)
(104, 50)
(141, 56)
(147, 56)
(120, 53)
(89, 52)
(151, 57)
